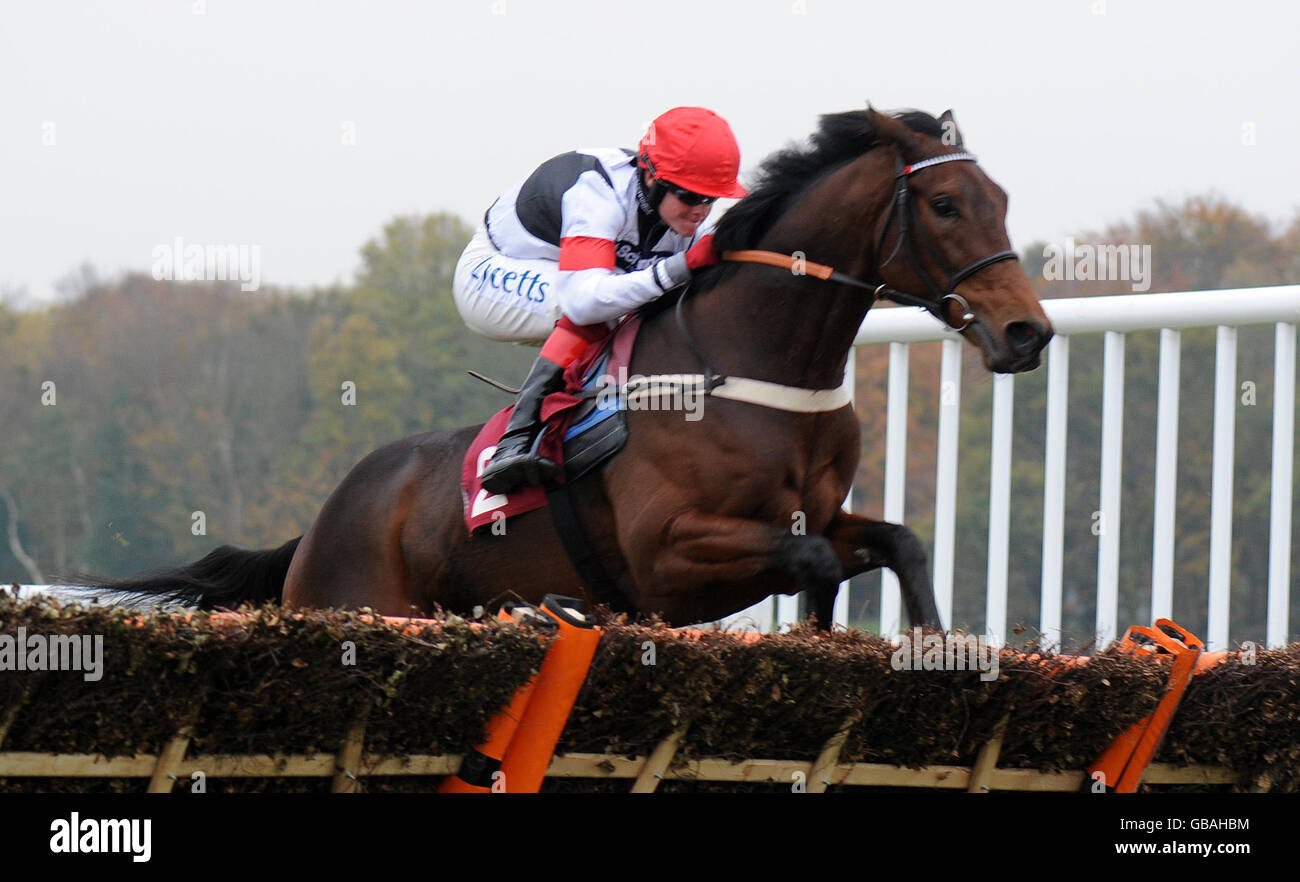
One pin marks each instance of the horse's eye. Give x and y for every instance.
(944, 206)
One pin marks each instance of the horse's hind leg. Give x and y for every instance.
(864, 544)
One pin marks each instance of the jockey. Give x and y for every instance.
(587, 238)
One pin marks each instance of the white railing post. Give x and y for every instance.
(945, 479)
(1279, 527)
(1225, 416)
(787, 611)
(841, 616)
(1058, 387)
(1106, 521)
(895, 477)
(995, 611)
(1162, 543)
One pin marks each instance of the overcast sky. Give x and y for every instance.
(225, 121)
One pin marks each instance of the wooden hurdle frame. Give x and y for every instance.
(350, 765)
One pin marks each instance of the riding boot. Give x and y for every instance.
(516, 460)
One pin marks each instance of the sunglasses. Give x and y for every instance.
(690, 198)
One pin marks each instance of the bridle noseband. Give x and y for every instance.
(901, 207)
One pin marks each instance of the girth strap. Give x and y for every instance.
(573, 536)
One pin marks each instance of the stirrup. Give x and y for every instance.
(527, 467)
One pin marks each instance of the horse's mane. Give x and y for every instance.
(839, 138)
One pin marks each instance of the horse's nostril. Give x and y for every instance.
(1025, 338)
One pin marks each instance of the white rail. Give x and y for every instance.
(1114, 317)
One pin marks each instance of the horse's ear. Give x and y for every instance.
(888, 129)
(951, 134)
(873, 117)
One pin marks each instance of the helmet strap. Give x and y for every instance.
(649, 198)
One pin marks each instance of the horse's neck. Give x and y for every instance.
(791, 331)
(798, 330)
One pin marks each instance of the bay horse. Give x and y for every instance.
(693, 519)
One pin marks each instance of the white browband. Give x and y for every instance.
(935, 160)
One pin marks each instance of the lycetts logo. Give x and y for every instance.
(509, 281)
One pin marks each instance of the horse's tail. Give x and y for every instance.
(227, 577)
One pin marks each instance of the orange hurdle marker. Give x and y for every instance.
(1123, 762)
(558, 683)
(483, 762)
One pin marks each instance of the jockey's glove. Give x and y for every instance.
(672, 272)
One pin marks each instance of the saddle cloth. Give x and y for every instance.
(581, 429)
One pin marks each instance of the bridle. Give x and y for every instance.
(902, 208)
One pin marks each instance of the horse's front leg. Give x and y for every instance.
(862, 544)
(703, 554)
(823, 605)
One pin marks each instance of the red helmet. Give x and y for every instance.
(694, 149)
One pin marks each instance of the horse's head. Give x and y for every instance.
(899, 206)
(942, 243)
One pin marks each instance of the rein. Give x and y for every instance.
(901, 206)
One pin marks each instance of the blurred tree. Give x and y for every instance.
(404, 287)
